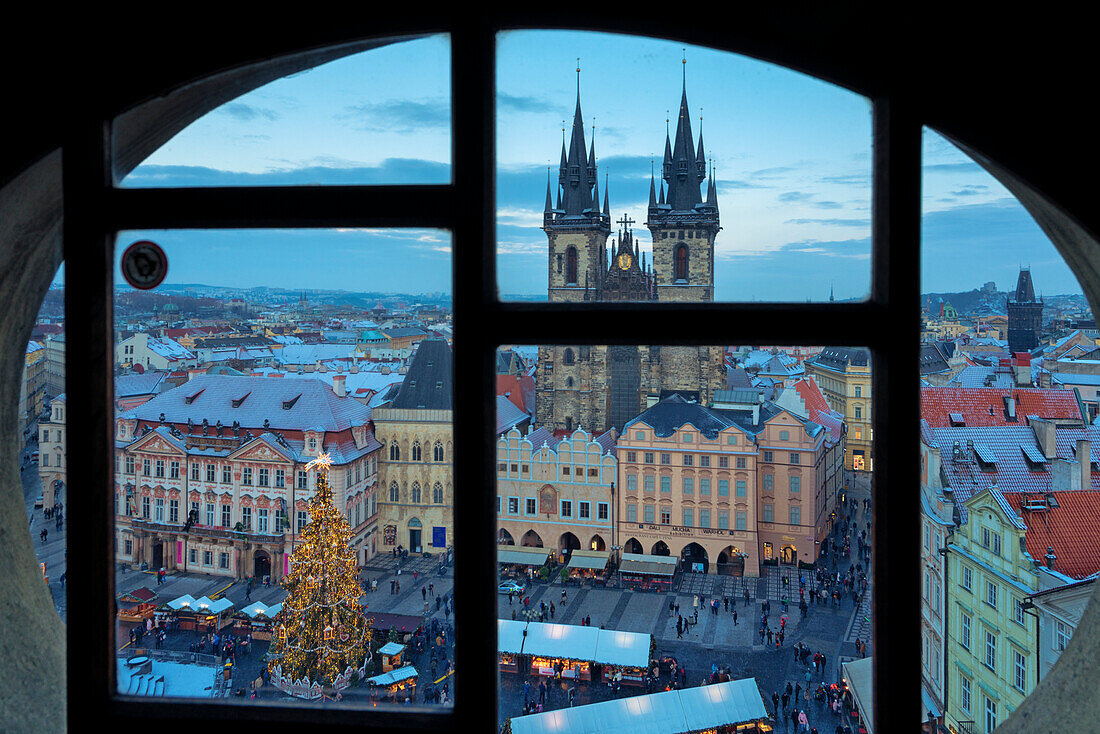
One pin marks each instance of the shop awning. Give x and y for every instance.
(596, 560)
(928, 704)
(260, 610)
(691, 709)
(183, 602)
(617, 647)
(206, 605)
(861, 683)
(523, 555)
(648, 565)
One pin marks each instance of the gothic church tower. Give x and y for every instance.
(682, 224)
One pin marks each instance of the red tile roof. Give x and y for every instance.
(1072, 529)
(938, 403)
(521, 389)
(811, 394)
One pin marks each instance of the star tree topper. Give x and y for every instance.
(322, 462)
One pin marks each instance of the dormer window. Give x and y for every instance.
(288, 404)
(312, 444)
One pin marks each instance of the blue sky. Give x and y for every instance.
(792, 156)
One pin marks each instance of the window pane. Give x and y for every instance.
(695, 534)
(593, 203)
(283, 357)
(1008, 395)
(382, 116)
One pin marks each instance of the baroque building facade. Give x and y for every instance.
(602, 387)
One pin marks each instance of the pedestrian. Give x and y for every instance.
(775, 704)
(734, 617)
(393, 584)
(726, 602)
(398, 586)
(679, 628)
(671, 606)
(677, 608)
(769, 636)
(431, 588)
(746, 596)
(424, 595)
(526, 691)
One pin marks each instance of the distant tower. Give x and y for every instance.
(682, 224)
(1025, 315)
(576, 228)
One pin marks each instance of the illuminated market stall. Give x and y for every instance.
(858, 684)
(645, 572)
(510, 639)
(137, 605)
(589, 565)
(397, 683)
(721, 708)
(257, 618)
(623, 656)
(520, 561)
(200, 614)
(570, 647)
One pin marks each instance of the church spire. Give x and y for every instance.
(683, 169)
(577, 174)
(652, 188)
(606, 206)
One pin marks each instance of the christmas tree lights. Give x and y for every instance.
(321, 637)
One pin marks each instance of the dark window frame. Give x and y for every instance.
(95, 211)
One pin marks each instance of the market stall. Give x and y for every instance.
(391, 654)
(382, 623)
(137, 605)
(858, 682)
(643, 572)
(624, 656)
(520, 561)
(589, 565)
(257, 618)
(398, 683)
(568, 647)
(510, 639)
(200, 614)
(722, 708)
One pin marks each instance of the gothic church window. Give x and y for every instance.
(571, 266)
(681, 262)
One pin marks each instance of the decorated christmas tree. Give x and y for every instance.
(321, 637)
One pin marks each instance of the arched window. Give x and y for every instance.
(437, 452)
(571, 266)
(395, 493)
(567, 356)
(569, 382)
(437, 493)
(681, 262)
(395, 452)
(416, 451)
(414, 497)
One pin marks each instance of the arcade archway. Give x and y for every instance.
(531, 539)
(694, 558)
(568, 543)
(261, 565)
(660, 548)
(731, 562)
(505, 538)
(788, 555)
(633, 546)
(597, 543)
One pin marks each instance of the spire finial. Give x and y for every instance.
(578, 77)
(684, 61)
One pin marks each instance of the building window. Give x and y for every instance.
(704, 486)
(1020, 667)
(632, 512)
(173, 511)
(731, 440)
(740, 519)
(223, 560)
(859, 413)
(261, 520)
(303, 520)
(571, 267)
(246, 517)
(1062, 633)
(603, 510)
(784, 435)
(158, 514)
(991, 594)
(688, 437)
(704, 517)
(796, 485)
(632, 457)
(795, 458)
(666, 484)
(147, 468)
(741, 462)
(394, 492)
(681, 263)
(302, 479)
(531, 508)
(650, 513)
(210, 514)
(964, 693)
(859, 391)
(741, 488)
(723, 488)
(967, 578)
(262, 476)
(208, 558)
(128, 547)
(194, 472)
(211, 472)
(174, 470)
(632, 483)
(145, 507)
(689, 460)
(129, 465)
(649, 457)
(796, 515)
(246, 476)
(768, 457)
(45, 459)
(649, 482)
(159, 469)
(666, 458)
(689, 485)
(513, 505)
(280, 478)
(666, 515)
(566, 508)
(704, 461)
(990, 651)
(769, 483)
(689, 518)
(585, 510)
(437, 452)
(437, 494)
(964, 626)
(990, 716)
(227, 474)
(227, 515)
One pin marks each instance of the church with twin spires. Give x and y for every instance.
(601, 387)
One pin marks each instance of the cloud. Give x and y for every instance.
(773, 172)
(833, 222)
(963, 167)
(970, 190)
(398, 115)
(793, 197)
(518, 103)
(828, 205)
(247, 113)
(848, 179)
(389, 171)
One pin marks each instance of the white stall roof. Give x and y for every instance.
(736, 701)
(858, 673)
(394, 676)
(273, 610)
(186, 601)
(391, 648)
(668, 712)
(510, 635)
(568, 641)
(616, 647)
(211, 606)
(256, 609)
(647, 564)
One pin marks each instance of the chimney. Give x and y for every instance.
(338, 385)
(1084, 458)
(193, 373)
(1044, 435)
(1064, 477)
